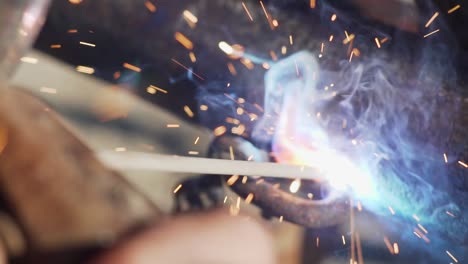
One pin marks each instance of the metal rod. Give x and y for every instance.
(180, 164)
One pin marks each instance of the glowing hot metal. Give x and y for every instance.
(290, 96)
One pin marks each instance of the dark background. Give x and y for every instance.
(125, 31)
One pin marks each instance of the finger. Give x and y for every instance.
(205, 238)
(3, 254)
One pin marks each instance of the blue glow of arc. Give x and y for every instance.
(357, 131)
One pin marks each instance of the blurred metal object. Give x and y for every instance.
(333, 209)
(59, 203)
(20, 22)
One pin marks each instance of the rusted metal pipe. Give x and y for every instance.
(332, 210)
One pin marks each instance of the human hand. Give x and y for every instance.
(208, 238)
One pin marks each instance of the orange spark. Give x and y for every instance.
(264, 11)
(189, 16)
(422, 228)
(232, 180)
(273, 55)
(87, 44)
(275, 23)
(131, 67)
(239, 130)
(225, 47)
(377, 42)
(453, 9)
(433, 32)
(247, 63)
(232, 69)
(177, 188)
(348, 38)
(284, 50)
(247, 11)
(245, 178)
(188, 111)
(295, 185)
(183, 40)
(429, 22)
(192, 57)
(219, 131)
(356, 52)
(389, 245)
(421, 235)
(359, 249)
(151, 90)
(84, 69)
(396, 249)
(451, 256)
(249, 198)
(231, 153)
(150, 6)
(29, 60)
(450, 213)
(313, 3)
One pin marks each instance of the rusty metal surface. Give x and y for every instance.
(310, 213)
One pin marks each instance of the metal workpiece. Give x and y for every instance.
(332, 209)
